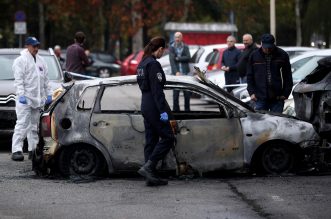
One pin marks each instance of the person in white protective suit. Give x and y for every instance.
(32, 92)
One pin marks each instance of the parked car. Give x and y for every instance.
(96, 126)
(294, 51)
(202, 56)
(7, 89)
(103, 65)
(215, 62)
(130, 63)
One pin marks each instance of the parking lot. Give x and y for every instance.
(24, 195)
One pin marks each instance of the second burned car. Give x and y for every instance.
(96, 126)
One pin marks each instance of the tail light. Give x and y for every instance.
(46, 130)
(212, 67)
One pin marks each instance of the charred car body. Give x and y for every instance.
(312, 97)
(96, 126)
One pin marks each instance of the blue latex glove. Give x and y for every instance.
(164, 117)
(22, 100)
(49, 99)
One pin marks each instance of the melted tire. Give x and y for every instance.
(80, 161)
(277, 158)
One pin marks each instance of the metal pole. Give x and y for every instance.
(272, 18)
(20, 41)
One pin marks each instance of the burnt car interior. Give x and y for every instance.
(126, 98)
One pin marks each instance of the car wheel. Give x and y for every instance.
(277, 158)
(104, 72)
(82, 161)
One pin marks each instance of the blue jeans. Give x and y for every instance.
(187, 96)
(270, 105)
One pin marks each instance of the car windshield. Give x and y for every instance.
(6, 63)
(306, 68)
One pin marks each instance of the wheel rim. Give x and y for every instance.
(104, 73)
(83, 162)
(277, 159)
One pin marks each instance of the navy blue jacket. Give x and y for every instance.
(230, 59)
(151, 80)
(281, 75)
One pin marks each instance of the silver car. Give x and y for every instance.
(96, 126)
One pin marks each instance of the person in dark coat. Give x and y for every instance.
(179, 57)
(269, 76)
(229, 63)
(76, 59)
(155, 110)
(250, 46)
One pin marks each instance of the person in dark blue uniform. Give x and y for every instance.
(155, 110)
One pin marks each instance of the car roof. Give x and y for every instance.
(323, 52)
(15, 51)
(171, 79)
(298, 48)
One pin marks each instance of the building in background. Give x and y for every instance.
(201, 33)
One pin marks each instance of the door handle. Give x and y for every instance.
(100, 123)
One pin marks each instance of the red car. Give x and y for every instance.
(130, 63)
(216, 57)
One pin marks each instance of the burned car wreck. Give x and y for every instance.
(312, 97)
(96, 126)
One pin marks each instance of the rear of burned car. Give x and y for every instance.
(63, 125)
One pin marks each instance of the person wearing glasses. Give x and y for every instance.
(32, 93)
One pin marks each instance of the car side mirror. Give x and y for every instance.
(67, 77)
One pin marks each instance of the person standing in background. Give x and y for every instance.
(179, 57)
(57, 52)
(243, 60)
(76, 60)
(229, 63)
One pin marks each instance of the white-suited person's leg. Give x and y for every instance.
(23, 113)
(33, 130)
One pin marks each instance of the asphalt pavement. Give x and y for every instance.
(25, 195)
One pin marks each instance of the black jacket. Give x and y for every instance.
(281, 75)
(151, 80)
(243, 60)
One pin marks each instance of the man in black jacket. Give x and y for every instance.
(269, 76)
(243, 60)
(230, 60)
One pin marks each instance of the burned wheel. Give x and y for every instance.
(81, 160)
(277, 158)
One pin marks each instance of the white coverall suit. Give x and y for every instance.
(31, 81)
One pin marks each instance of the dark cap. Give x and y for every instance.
(268, 41)
(32, 41)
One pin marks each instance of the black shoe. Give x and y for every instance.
(30, 155)
(17, 156)
(147, 171)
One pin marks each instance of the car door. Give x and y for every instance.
(208, 137)
(118, 124)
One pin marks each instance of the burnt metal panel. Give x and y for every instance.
(210, 144)
(259, 128)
